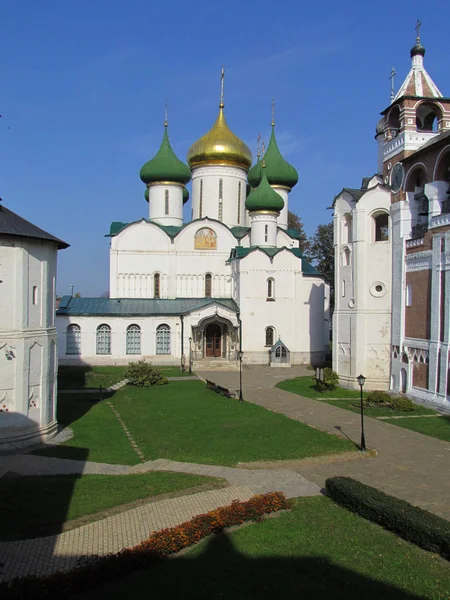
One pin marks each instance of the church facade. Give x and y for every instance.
(232, 280)
(401, 339)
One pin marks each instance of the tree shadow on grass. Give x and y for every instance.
(221, 571)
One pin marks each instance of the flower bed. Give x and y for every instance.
(94, 571)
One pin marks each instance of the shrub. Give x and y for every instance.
(402, 403)
(94, 571)
(378, 397)
(413, 524)
(144, 374)
(329, 382)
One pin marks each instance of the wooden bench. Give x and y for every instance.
(218, 389)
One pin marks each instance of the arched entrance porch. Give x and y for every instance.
(215, 338)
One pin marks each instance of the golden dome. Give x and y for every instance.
(220, 147)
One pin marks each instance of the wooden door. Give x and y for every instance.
(213, 335)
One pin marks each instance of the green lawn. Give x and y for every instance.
(74, 378)
(438, 427)
(98, 435)
(318, 551)
(305, 387)
(39, 506)
(185, 421)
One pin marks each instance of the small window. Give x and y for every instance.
(157, 285)
(343, 288)
(133, 339)
(382, 228)
(73, 339)
(270, 289)
(163, 339)
(103, 339)
(347, 229)
(346, 257)
(239, 203)
(408, 294)
(200, 210)
(270, 335)
(220, 215)
(166, 202)
(208, 285)
(266, 233)
(34, 298)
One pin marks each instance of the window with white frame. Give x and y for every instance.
(133, 339)
(200, 207)
(266, 233)
(271, 289)
(347, 229)
(408, 294)
(270, 336)
(73, 345)
(239, 203)
(381, 223)
(346, 257)
(220, 216)
(103, 339)
(34, 298)
(343, 288)
(163, 339)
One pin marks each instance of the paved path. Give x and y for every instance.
(61, 552)
(409, 465)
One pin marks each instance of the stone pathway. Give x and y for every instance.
(60, 552)
(409, 465)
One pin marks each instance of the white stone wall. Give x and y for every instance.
(296, 313)
(283, 218)
(233, 208)
(27, 341)
(264, 229)
(362, 317)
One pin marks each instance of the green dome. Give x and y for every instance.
(417, 49)
(264, 197)
(278, 170)
(146, 194)
(165, 166)
(185, 195)
(254, 175)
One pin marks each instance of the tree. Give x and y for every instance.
(295, 222)
(321, 251)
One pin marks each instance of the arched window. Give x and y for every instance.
(270, 335)
(208, 285)
(103, 339)
(381, 223)
(427, 117)
(347, 229)
(163, 339)
(271, 288)
(157, 285)
(166, 202)
(133, 339)
(200, 208)
(35, 294)
(346, 257)
(73, 339)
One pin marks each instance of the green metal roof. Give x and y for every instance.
(165, 165)
(279, 171)
(264, 197)
(172, 230)
(292, 233)
(307, 268)
(137, 307)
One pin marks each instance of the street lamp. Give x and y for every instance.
(190, 356)
(362, 380)
(240, 355)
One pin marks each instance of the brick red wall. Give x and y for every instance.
(417, 316)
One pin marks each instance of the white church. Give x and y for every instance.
(230, 283)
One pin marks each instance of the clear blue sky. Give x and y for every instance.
(84, 83)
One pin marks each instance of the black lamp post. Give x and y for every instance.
(190, 356)
(240, 354)
(362, 380)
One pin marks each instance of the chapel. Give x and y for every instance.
(227, 285)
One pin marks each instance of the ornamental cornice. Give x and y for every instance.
(419, 261)
(219, 171)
